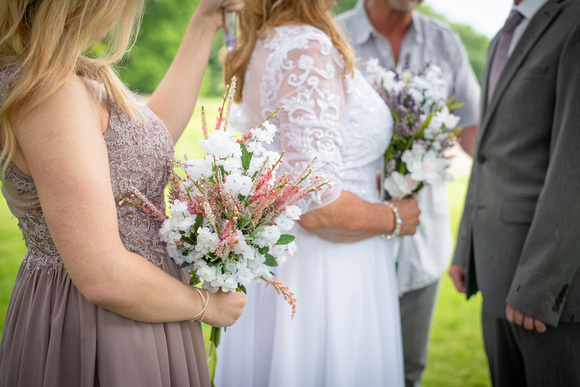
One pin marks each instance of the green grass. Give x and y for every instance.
(456, 355)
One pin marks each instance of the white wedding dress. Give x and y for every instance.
(346, 331)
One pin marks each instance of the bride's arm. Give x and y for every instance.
(351, 219)
(312, 125)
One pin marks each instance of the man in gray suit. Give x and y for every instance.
(519, 239)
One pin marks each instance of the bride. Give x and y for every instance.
(346, 331)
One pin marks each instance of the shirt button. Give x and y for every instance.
(481, 159)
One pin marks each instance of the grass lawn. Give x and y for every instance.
(456, 356)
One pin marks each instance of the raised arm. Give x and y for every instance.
(174, 99)
(63, 149)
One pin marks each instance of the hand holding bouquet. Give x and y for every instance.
(424, 127)
(230, 210)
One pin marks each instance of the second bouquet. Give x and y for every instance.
(424, 127)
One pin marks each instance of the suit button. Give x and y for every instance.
(481, 159)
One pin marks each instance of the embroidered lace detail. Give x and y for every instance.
(339, 119)
(140, 156)
(23, 184)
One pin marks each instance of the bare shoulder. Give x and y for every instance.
(69, 115)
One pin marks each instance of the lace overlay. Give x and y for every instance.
(140, 156)
(339, 119)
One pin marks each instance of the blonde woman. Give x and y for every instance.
(97, 301)
(346, 331)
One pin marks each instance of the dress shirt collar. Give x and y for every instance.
(364, 29)
(528, 8)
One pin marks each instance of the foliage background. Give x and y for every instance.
(165, 21)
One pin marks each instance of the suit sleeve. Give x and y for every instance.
(551, 254)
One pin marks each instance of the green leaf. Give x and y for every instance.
(190, 240)
(285, 239)
(263, 250)
(198, 222)
(270, 261)
(242, 288)
(246, 157)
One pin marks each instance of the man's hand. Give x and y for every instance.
(457, 274)
(516, 317)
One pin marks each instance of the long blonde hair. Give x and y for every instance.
(258, 19)
(46, 41)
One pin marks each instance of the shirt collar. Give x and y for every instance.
(364, 29)
(528, 8)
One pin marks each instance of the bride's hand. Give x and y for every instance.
(223, 309)
(211, 11)
(409, 212)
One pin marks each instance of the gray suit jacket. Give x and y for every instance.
(519, 236)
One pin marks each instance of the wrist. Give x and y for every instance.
(398, 222)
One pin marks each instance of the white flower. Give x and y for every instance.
(199, 167)
(206, 240)
(185, 222)
(229, 285)
(398, 185)
(416, 95)
(238, 184)
(268, 237)
(449, 120)
(232, 164)
(218, 143)
(430, 168)
(292, 248)
(245, 276)
(265, 133)
(255, 147)
(284, 223)
(168, 232)
(293, 212)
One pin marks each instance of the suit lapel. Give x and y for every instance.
(533, 32)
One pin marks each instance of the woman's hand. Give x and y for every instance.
(211, 11)
(223, 309)
(409, 212)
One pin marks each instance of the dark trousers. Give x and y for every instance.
(518, 357)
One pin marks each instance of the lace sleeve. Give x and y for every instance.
(311, 88)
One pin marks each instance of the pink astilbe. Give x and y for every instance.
(146, 206)
(228, 240)
(284, 291)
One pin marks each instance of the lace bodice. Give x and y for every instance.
(140, 155)
(338, 119)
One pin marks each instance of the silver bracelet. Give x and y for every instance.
(398, 222)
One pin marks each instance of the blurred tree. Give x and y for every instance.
(164, 24)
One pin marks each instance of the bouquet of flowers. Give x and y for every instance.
(229, 210)
(424, 127)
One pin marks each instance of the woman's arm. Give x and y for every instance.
(64, 150)
(174, 99)
(352, 219)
